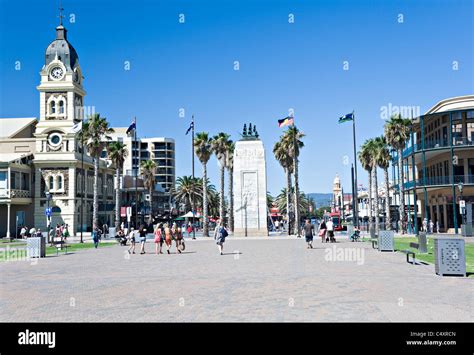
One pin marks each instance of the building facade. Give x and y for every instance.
(439, 165)
(56, 163)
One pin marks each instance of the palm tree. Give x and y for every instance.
(292, 141)
(117, 153)
(270, 201)
(280, 201)
(203, 150)
(373, 148)
(230, 168)
(383, 161)
(365, 161)
(219, 144)
(188, 191)
(147, 171)
(285, 160)
(96, 134)
(397, 132)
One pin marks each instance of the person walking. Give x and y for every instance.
(308, 231)
(167, 238)
(179, 239)
(220, 233)
(431, 226)
(65, 233)
(142, 232)
(133, 241)
(322, 230)
(158, 238)
(38, 233)
(95, 236)
(330, 231)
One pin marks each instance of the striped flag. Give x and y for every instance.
(191, 126)
(132, 126)
(287, 121)
(346, 118)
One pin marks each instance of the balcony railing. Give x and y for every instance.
(436, 143)
(15, 193)
(438, 181)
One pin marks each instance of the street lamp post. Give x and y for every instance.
(48, 199)
(461, 187)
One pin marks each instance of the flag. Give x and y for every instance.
(132, 126)
(348, 117)
(76, 128)
(287, 121)
(191, 126)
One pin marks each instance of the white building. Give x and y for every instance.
(44, 157)
(160, 149)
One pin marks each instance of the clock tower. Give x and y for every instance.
(58, 150)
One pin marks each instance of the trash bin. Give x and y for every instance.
(386, 242)
(422, 242)
(36, 247)
(450, 258)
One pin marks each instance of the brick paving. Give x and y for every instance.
(272, 279)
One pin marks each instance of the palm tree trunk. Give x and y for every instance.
(297, 199)
(221, 202)
(205, 230)
(370, 201)
(376, 201)
(117, 201)
(388, 216)
(288, 197)
(150, 218)
(231, 199)
(402, 191)
(95, 208)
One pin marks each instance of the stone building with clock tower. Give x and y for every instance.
(58, 159)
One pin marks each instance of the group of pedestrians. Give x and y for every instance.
(32, 232)
(163, 235)
(325, 231)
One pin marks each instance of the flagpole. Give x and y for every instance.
(355, 212)
(136, 174)
(192, 158)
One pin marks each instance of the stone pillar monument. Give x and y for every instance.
(250, 186)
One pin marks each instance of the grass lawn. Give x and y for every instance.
(77, 246)
(18, 250)
(403, 243)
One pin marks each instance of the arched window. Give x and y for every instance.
(59, 182)
(52, 107)
(61, 107)
(51, 183)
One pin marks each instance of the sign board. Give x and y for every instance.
(147, 197)
(123, 211)
(48, 211)
(462, 203)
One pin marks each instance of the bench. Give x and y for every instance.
(60, 243)
(411, 252)
(375, 243)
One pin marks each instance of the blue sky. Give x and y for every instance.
(282, 65)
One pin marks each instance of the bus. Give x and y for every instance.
(336, 221)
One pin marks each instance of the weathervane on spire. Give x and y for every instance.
(61, 9)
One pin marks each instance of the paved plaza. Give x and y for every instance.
(262, 279)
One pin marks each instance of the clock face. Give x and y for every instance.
(57, 73)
